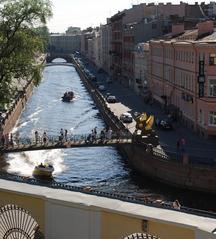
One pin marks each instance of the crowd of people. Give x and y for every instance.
(105, 134)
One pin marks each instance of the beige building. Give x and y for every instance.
(106, 37)
(62, 43)
(141, 68)
(85, 36)
(59, 213)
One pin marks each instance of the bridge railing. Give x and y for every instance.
(114, 137)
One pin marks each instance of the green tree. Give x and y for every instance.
(22, 39)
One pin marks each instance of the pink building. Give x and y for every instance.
(183, 75)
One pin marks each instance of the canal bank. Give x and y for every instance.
(17, 108)
(153, 163)
(18, 105)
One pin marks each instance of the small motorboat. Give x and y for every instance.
(43, 171)
(68, 96)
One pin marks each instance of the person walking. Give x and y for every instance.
(183, 144)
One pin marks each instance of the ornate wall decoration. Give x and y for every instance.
(140, 236)
(17, 223)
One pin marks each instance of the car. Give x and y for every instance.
(111, 99)
(101, 87)
(164, 124)
(126, 118)
(108, 80)
(92, 77)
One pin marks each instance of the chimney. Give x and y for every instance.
(177, 29)
(205, 27)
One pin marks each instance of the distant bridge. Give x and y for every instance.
(77, 141)
(59, 64)
(53, 55)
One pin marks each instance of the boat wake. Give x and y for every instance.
(24, 163)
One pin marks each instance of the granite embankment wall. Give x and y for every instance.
(172, 171)
(16, 109)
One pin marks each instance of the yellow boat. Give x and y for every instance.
(43, 171)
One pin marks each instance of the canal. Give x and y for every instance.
(100, 168)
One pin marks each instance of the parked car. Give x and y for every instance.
(111, 99)
(101, 88)
(92, 77)
(107, 94)
(126, 117)
(108, 80)
(164, 124)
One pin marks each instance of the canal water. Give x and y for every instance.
(100, 168)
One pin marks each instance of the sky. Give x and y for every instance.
(86, 13)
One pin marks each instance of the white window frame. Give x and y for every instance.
(212, 117)
(212, 90)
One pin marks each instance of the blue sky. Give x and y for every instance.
(85, 13)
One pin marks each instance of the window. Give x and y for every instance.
(212, 118)
(212, 88)
(212, 59)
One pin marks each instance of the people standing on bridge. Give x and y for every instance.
(45, 139)
(62, 133)
(36, 137)
(66, 135)
(11, 140)
(95, 133)
(7, 139)
(102, 135)
(92, 135)
(109, 134)
(17, 138)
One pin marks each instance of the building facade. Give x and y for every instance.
(182, 75)
(141, 69)
(61, 43)
(106, 46)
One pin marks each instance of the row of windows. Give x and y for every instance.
(185, 56)
(185, 80)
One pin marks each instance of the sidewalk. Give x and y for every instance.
(196, 146)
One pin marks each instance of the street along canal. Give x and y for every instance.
(100, 168)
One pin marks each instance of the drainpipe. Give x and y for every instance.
(196, 84)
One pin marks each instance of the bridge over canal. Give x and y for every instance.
(77, 141)
(51, 56)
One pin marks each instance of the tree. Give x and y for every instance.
(22, 25)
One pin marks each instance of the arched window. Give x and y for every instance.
(140, 236)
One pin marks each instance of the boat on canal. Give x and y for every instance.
(68, 96)
(43, 171)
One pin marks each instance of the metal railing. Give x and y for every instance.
(88, 190)
(71, 141)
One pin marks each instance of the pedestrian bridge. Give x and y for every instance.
(77, 141)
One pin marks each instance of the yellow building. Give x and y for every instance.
(63, 214)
